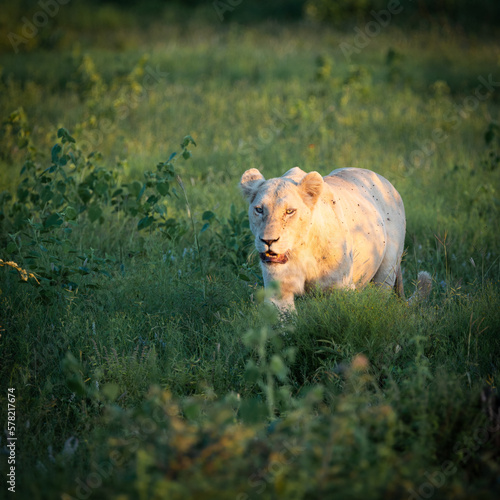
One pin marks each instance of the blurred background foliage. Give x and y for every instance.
(93, 15)
(131, 315)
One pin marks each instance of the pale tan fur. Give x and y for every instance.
(341, 231)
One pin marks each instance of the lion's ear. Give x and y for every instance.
(250, 182)
(311, 187)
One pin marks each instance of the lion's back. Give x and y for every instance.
(360, 183)
(373, 211)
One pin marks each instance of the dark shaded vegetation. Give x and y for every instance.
(133, 329)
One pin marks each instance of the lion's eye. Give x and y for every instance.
(259, 210)
(290, 211)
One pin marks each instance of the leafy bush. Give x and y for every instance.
(75, 190)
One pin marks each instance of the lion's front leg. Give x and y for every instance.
(287, 289)
(285, 305)
(284, 298)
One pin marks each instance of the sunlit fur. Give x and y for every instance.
(343, 230)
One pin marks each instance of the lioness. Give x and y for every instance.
(342, 230)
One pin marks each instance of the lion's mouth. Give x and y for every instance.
(273, 258)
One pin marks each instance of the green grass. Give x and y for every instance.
(164, 370)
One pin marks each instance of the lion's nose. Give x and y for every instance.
(269, 242)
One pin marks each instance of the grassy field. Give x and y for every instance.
(143, 359)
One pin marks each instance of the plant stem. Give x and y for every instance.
(196, 241)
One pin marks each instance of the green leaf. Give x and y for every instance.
(44, 179)
(187, 140)
(64, 160)
(160, 209)
(47, 194)
(56, 150)
(205, 227)
(278, 367)
(111, 391)
(254, 337)
(22, 194)
(145, 222)
(135, 188)
(289, 353)
(162, 188)
(70, 213)
(63, 134)
(52, 220)
(95, 212)
(141, 192)
(207, 215)
(84, 194)
(101, 188)
(61, 187)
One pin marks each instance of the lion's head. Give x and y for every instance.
(280, 212)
